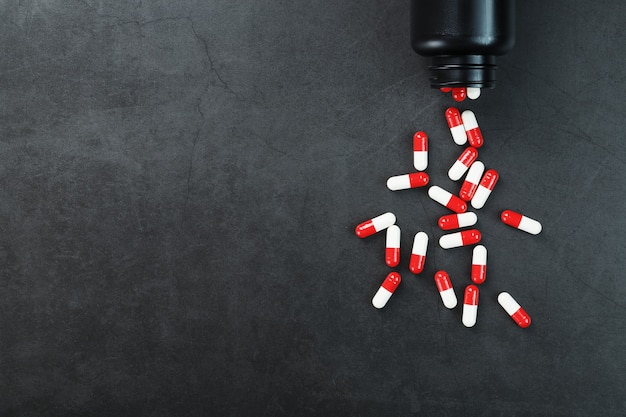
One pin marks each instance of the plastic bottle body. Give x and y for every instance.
(462, 37)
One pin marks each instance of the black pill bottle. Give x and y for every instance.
(462, 39)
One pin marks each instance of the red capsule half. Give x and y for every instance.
(459, 94)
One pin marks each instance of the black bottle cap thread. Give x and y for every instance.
(463, 71)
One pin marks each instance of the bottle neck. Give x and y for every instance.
(463, 71)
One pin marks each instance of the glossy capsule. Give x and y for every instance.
(463, 238)
(470, 306)
(386, 290)
(485, 187)
(378, 223)
(392, 246)
(479, 264)
(474, 135)
(445, 89)
(406, 181)
(472, 179)
(444, 286)
(447, 199)
(462, 164)
(418, 253)
(521, 222)
(457, 221)
(420, 151)
(473, 93)
(459, 94)
(455, 123)
(514, 310)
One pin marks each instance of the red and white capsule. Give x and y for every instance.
(470, 306)
(459, 94)
(458, 239)
(418, 253)
(392, 247)
(406, 181)
(470, 185)
(473, 93)
(474, 135)
(386, 290)
(457, 221)
(447, 199)
(444, 286)
(521, 222)
(485, 187)
(375, 225)
(479, 264)
(420, 151)
(513, 309)
(462, 164)
(455, 123)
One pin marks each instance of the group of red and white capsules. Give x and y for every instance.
(476, 188)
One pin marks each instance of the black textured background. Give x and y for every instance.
(180, 182)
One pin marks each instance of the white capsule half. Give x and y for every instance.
(420, 160)
(470, 312)
(449, 298)
(480, 197)
(439, 195)
(381, 297)
(475, 172)
(467, 219)
(452, 240)
(420, 244)
(393, 236)
(479, 255)
(529, 225)
(399, 182)
(469, 120)
(457, 170)
(383, 221)
(508, 303)
(473, 93)
(459, 135)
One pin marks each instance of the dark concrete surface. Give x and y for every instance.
(180, 182)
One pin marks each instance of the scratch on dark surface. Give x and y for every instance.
(595, 290)
(190, 169)
(376, 94)
(355, 151)
(587, 138)
(209, 58)
(141, 24)
(545, 80)
(370, 32)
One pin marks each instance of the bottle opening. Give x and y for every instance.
(463, 71)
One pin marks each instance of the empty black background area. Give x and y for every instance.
(180, 183)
